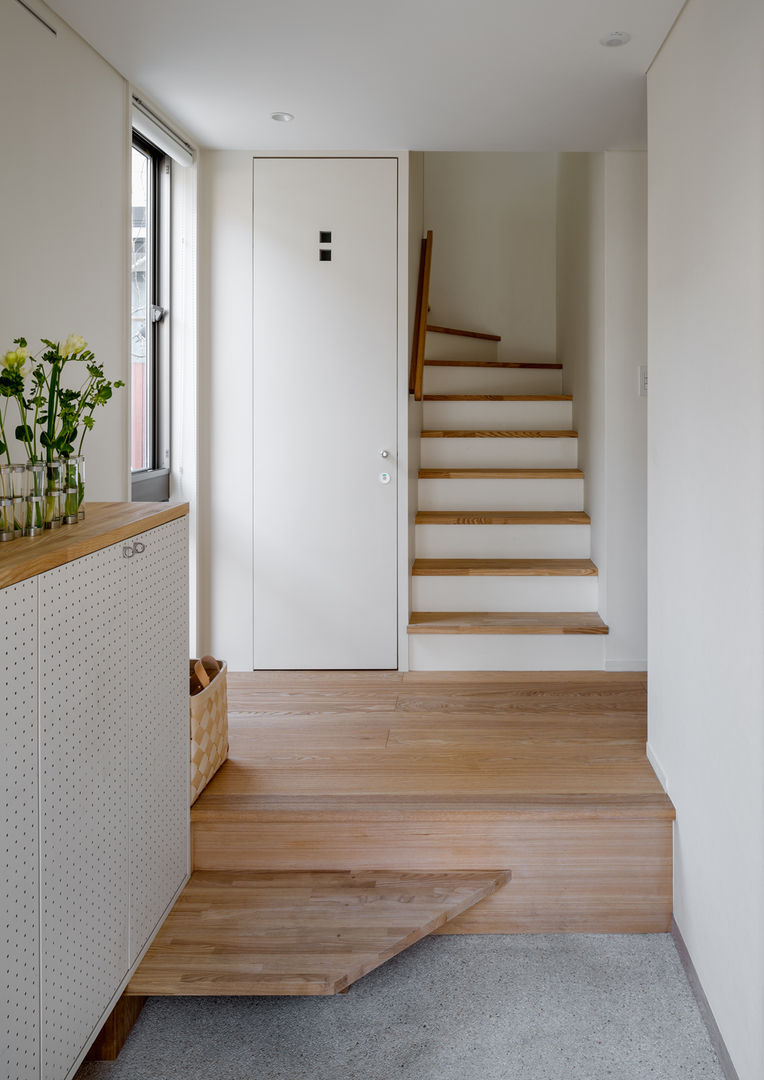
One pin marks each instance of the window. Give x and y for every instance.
(149, 321)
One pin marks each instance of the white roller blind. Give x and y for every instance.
(156, 131)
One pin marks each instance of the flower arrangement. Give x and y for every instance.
(53, 417)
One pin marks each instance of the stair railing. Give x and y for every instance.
(416, 376)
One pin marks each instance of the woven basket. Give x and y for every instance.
(209, 731)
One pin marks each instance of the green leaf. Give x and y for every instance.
(3, 447)
(23, 432)
(45, 440)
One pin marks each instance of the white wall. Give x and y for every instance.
(493, 268)
(64, 129)
(416, 232)
(225, 403)
(601, 332)
(706, 485)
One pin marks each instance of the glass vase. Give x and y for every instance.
(74, 480)
(53, 502)
(36, 475)
(19, 514)
(7, 531)
(34, 522)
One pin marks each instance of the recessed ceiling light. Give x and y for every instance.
(615, 38)
(282, 117)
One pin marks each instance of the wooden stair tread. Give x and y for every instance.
(501, 474)
(481, 433)
(493, 364)
(237, 807)
(298, 932)
(462, 333)
(502, 517)
(506, 622)
(504, 568)
(497, 397)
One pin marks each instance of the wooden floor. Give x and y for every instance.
(543, 774)
(298, 933)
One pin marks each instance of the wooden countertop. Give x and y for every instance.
(105, 523)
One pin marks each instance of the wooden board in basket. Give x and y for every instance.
(209, 721)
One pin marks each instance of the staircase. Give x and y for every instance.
(502, 578)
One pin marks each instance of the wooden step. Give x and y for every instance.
(502, 517)
(479, 433)
(506, 622)
(504, 568)
(497, 397)
(501, 474)
(541, 772)
(492, 364)
(462, 333)
(299, 932)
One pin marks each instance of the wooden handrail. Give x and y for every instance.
(420, 319)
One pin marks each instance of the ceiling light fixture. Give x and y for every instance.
(282, 117)
(615, 38)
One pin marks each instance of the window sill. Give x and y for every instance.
(150, 485)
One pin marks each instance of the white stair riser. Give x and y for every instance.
(528, 415)
(454, 347)
(547, 494)
(506, 652)
(479, 593)
(503, 541)
(497, 453)
(469, 380)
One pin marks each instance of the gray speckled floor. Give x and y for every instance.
(525, 1007)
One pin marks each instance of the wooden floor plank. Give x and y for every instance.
(298, 932)
(506, 622)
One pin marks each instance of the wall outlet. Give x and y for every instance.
(642, 369)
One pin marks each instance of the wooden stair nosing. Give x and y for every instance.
(504, 568)
(497, 397)
(506, 622)
(502, 517)
(248, 808)
(301, 932)
(494, 364)
(462, 333)
(500, 474)
(481, 433)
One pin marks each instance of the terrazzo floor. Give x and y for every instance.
(524, 1007)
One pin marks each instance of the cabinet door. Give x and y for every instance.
(159, 726)
(83, 636)
(19, 955)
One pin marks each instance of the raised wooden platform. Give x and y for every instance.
(298, 933)
(541, 773)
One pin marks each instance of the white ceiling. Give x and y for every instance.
(403, 74)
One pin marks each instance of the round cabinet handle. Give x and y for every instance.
(139, 548)
(127, 552)
(384, 453)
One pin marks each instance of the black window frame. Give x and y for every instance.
(152, 483)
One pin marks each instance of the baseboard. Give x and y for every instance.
(658, 769)
(626, 665)
(709, 1020)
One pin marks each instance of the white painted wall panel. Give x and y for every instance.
(705, 485)
(84, 783)
(158, 751)
(19, 887)
(64, 212)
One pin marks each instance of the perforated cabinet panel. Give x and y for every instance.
(159, 725)
(83, 617)
(19, 998)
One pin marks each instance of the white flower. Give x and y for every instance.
(74, 344)
(16, 360)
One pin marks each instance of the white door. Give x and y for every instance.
(325, 340)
